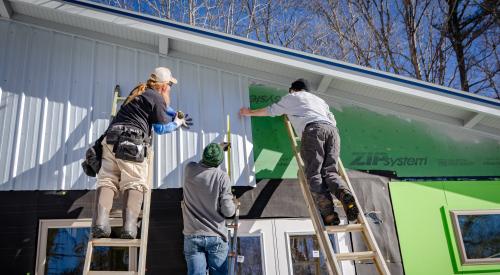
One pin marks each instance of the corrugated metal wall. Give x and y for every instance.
(55, 99)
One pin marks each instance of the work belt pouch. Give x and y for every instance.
(113, 135)
(130, 148)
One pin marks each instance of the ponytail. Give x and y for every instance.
(141, 88)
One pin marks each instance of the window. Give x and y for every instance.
(249, 250)
(62, 245)
(306, 256)
(478, 236)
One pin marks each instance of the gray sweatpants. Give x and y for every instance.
(320, 150)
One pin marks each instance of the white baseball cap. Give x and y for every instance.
(162, 74)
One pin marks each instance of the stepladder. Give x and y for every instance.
(333, 260)
(137, 248)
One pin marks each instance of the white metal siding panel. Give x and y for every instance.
(78, 114)
(126, 70)
(167, 147)
(12, 101)
(233, 100)
(55, 117)
(64, 100)
(189, 101)
(36, 74)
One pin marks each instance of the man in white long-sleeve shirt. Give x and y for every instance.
(320, 147)
(207, 202)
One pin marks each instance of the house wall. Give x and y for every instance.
(56, 96)
(421, 211)
(21, 212)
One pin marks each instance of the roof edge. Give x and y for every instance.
(290, 52)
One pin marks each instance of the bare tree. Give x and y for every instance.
(467, 21)
(448, 42)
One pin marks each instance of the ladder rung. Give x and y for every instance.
(345, 228)
(101, 272)
(364, 255)
(117, 214)
(116, 242)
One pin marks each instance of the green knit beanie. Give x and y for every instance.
(213, 155)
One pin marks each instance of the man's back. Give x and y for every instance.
(302, 108)
(207, 199)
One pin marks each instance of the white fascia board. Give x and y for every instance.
(5, 9)
(263, 54)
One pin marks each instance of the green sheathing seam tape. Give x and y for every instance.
(376, 141)
(423, 221)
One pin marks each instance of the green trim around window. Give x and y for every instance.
(453, 239)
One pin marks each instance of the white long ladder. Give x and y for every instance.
(142, 243)
(333, 259)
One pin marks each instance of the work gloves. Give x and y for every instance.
(225, 145)
(183, 120)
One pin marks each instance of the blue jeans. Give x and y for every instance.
(205, 251)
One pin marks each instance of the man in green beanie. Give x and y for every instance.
(208, 201)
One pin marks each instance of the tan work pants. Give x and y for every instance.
(121, 175)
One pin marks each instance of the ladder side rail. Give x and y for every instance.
(367, 232)
(88, 256)
(145, 216)
(233, 251)
(132, 258)
(322, 235)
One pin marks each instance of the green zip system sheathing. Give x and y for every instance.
(373, 140)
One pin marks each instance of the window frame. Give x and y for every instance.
(259, 234)
(459, 239)
(289, 234)
(45, 224)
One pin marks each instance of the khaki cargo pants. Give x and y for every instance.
(121, 175)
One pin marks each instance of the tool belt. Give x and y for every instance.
(129, 143)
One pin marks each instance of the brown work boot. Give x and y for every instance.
(349, 204)
(325, 206)
(132, 202)
(331, 219)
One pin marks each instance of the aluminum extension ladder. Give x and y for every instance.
(234, 224)
(142, 243)
(332, 258)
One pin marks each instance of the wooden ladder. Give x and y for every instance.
(333, 259)
(142, 243)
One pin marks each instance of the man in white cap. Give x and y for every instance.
(126, 144)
